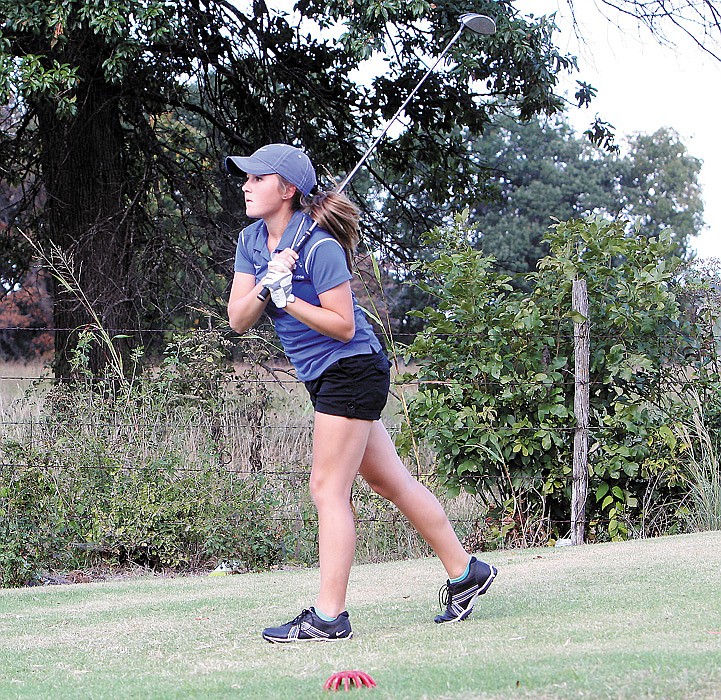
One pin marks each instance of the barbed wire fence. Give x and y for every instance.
(288, 468)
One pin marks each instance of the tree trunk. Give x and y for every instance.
(84, 173)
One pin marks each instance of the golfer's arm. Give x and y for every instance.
(334, 317)
(244, 307)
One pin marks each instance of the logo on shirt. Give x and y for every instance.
(299, 274)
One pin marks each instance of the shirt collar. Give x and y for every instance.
(297, 224)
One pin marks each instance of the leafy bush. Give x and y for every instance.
(32, 524)
(496, 380)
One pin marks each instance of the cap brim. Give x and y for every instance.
(237, 165)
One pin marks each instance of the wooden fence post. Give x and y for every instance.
(581, 402)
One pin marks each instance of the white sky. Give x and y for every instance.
(643, 86)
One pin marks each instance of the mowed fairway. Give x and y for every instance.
(638, 619)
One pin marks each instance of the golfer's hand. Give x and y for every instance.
(287, 257)
(279, 280)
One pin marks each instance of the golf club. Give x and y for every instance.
(479, 24)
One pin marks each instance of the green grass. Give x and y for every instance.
(639, 619)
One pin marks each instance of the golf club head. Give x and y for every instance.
(480, 24)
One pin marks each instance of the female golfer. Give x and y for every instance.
(336, 353)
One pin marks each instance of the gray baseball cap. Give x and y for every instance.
(279, 158)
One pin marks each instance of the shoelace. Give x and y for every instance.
(299, 618)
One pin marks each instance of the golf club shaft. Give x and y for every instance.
(380, 137)
(265, 292)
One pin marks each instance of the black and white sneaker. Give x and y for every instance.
(308, 627)
(460, 597)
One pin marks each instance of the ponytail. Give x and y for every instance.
(335, 213)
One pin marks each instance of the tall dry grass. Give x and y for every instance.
(703, 469)
(261, 436)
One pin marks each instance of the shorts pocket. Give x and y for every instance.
(381, 362)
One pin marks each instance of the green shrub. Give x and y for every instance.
(496, 382)
(33, 526)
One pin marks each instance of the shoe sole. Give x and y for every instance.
(486, 585)
(284, 640)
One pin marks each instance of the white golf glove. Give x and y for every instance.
(279, 280)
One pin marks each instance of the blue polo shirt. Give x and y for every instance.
(321, 266)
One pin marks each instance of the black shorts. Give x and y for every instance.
(354, 387)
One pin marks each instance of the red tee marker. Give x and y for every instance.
(349, 679)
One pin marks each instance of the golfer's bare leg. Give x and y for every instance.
(338, 447)
(387, 475)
